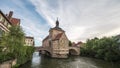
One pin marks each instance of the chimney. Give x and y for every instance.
(10, 14)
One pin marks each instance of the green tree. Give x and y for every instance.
(14, 39)
(106, 48)
(70, 43)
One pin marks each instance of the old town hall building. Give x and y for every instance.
(57, 41)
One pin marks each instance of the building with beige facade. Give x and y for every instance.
(57, 41)
(6, 21)
(29, 41)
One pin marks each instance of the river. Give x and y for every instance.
(39, 61)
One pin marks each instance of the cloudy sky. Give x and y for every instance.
(81, 19)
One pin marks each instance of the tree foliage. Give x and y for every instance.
(106, 48)
(70, 43)
(13, 41)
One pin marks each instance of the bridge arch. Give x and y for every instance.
(74, 51)
(45, 52)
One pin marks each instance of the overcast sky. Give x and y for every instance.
(81, 19)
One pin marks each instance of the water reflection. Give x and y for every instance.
(36, 60)
(39, 61)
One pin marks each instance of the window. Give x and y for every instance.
(0, 17)
(3, 20)
(5, 23)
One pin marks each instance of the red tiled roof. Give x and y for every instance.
(58, 36)
(15, 21)
(29, 37)
(79, 42)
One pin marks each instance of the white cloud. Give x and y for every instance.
(82, 19)
(33, 28)
(30, 23)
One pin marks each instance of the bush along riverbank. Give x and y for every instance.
(106, 48)
(12, 46)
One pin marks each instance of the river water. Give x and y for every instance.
(40, 61)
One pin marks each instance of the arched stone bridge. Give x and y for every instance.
(74, 50)
(47, 50)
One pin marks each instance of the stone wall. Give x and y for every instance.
(46, 43)
(8, 64)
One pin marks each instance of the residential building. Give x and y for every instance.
(14, 21)
(4, 23)
(7, 21)
(29, 41)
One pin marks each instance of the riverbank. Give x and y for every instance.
(38, 61)
(106, 48)
(23, 55)
(8, 64)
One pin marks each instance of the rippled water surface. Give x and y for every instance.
(39, 61)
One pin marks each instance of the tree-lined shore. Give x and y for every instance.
(106, 48)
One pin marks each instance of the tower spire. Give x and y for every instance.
(57, 22)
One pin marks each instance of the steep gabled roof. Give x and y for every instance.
(58, 36)
(15, 21)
